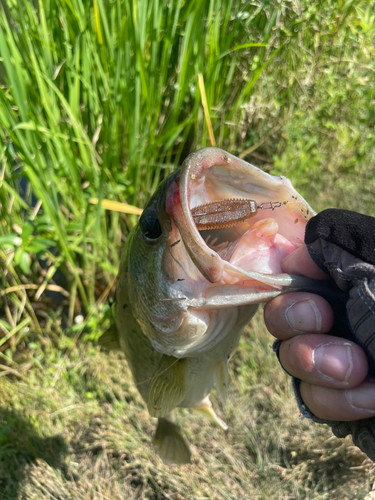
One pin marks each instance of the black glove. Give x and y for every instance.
(343, 243)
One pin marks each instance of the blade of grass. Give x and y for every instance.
(205, 109)
(117, 206)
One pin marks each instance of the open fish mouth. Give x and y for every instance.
(226, 246)
(229, 261)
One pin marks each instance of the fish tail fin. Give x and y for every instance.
(205, 409)
(170, 444)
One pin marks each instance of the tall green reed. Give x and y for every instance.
(101, 99)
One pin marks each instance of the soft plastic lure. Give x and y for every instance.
(227, 213)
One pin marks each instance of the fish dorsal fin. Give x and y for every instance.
(221, 380)
(110, 340)
(170, 444)
(168, 386)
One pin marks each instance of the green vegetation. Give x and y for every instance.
(100, 98)
(78, 429)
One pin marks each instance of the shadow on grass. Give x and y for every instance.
(21, 445)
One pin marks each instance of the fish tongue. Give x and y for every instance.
(261, 248)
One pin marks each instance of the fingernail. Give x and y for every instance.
(304, 317)
(334, 362)
(362, 398)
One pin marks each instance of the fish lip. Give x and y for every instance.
(208, 261)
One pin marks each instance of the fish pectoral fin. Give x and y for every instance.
(205, 409)
(170, 444)
(221, 380)
(168, 386)
(110, 340)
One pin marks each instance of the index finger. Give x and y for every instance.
(297, 312)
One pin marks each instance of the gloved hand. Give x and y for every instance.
(332, 375)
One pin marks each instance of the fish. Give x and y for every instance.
(193, 271)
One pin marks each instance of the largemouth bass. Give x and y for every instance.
(205, 252)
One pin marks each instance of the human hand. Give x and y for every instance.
(332, 370)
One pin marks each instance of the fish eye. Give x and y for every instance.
(150, 225)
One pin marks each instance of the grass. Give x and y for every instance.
(102, 99)
(82, 431)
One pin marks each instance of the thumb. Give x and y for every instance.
(300, 262)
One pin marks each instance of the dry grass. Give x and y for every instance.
(77, 429)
